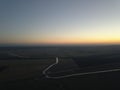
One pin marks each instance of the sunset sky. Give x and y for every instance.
(59, 22)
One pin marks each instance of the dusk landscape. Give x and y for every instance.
(59, 44)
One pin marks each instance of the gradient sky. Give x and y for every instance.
(59, 21)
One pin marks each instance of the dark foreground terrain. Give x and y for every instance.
(23, 67)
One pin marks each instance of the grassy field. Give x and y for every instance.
(20, 69)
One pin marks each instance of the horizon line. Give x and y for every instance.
(12, 45)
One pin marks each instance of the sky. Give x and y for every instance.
(59, 22)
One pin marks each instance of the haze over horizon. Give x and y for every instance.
(39, 22)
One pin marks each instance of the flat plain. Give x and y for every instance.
(22, 67)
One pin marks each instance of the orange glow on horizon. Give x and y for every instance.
(71, 41)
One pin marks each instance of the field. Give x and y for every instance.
(24, 67)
